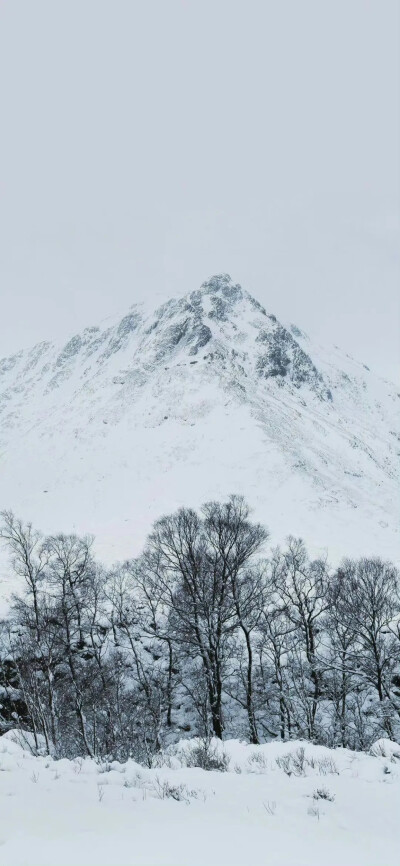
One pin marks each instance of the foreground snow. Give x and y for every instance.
(61, 812)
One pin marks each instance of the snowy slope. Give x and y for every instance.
(342, 808)
(206, 396)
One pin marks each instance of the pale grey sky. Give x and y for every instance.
(146, 144)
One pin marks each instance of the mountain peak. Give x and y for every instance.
(222, 283)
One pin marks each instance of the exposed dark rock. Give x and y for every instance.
(70, 349)
(7, 364)
(203, 336)
(126, 326)
(283, 357)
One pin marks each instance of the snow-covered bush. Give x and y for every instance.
(323, 794)
(205, 754)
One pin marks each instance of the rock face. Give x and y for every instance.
(207, 396)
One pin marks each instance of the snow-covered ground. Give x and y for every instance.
(323, 808)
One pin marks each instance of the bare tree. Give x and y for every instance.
(276, 635)
(369, 588)
(234, 542)
(197, 593)
(140, 625)
(71, 571)
(301, 586)
(28, 556)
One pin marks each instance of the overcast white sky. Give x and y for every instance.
(146, 144)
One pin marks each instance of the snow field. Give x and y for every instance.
(279, 804)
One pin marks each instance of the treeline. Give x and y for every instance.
(206, 633)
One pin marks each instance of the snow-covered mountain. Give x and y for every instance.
(206, 396)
